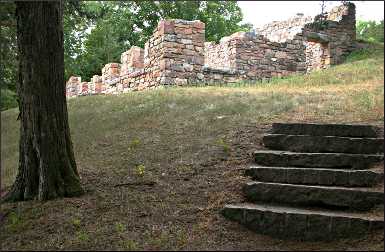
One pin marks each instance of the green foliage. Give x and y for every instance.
(14, 218)
(225, 146)
(73, 29)
(133, 144)
(119, 227)
(15, 222)
(372, 51)
(8, 49)
(82, 236)
(8, 99)
(78, 18)
(370, 31)
(76, 222)
(140, 170)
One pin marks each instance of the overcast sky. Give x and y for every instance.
(261, 12)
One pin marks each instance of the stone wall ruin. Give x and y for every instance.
(177, 54)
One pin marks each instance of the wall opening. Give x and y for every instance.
(317, 55)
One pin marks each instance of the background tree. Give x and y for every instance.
(8, 55)
(47, 167)
(371, 31)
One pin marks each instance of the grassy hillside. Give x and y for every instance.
(158, 165)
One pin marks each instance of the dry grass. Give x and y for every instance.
(191, 144)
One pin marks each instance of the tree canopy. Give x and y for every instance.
(371, 31)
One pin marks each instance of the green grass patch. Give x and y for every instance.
(374, 50)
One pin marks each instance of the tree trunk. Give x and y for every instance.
(47, 167)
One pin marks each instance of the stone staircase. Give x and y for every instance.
(317, 183)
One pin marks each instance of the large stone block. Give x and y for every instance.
(299, 223)
(321, 160)
(328, 197)
(314, 129)
(166, 27)
(133, 58)
(308, 143)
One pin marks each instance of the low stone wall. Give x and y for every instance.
(176, 54)
(255, 57)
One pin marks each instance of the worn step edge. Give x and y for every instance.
(309, 195)
(321, 144)
(314, 129)
(300, 224)
(322, 160)
(315, 176)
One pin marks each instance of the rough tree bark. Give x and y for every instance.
(47, 167)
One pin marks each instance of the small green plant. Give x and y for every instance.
(133, 144)
(119, 227)
(225, 146)
(76, 222)
(130, 245)
(36, 212)
(140, 170)
(14, 221)
(160, 240)
(14, 218)
(82, 236)
(182, 238)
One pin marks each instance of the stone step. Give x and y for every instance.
(305, 195)
(344, 130)
(322, 160)
(301, 224)
(315, 176)
(307, 143)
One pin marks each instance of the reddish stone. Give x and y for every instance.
(199, 25)
(166, 27)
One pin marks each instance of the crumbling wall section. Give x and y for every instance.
(298, 45)
(317, 55)
(220, 56)
(254, 57)
(337, 33)
(260, 58)
(281, 31)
